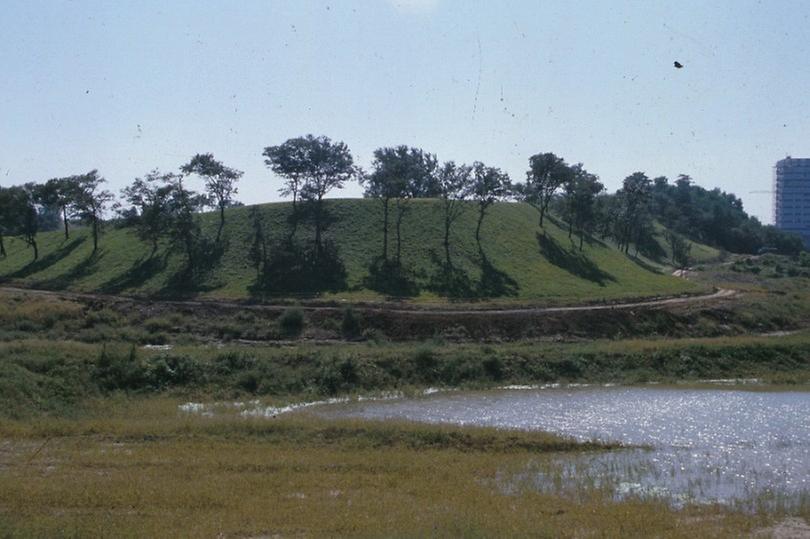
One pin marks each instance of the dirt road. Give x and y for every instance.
(719, 294)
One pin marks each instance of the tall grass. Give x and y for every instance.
(137, 475)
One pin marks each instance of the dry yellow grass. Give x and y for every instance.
(159, 474)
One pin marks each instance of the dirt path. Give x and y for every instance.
(656, 302)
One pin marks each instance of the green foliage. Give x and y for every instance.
(291, 322)
(39, 377)
(350, 326)
(715, 218)
(348, 259)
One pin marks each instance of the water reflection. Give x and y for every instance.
(748, 449)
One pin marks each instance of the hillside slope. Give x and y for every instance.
(516, 262)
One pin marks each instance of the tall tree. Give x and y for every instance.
(22, 213)
(488, 185)
(581, 193)
(454, 186)
(183, 228)
(388, 180)
(150, 197)
(680, 248)
(290, 160)
(258, 241)
(546, 175)
(635, 198)
(321, 164)
(220, 182)
(60, 193)
(401, 173)
(91, 201)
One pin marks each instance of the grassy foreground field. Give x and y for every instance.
(517, 260)
(93, 441)
(135, 468)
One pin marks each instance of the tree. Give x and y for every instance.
(258, 241)
(21, 216)
(635, 197)
(488, 185)
(546, 175)
(60, 193)
(419, 169)
(290, 160)
(316, 165)
(383, 184)
(680, 248)
(580, 197)
(454, 186)
(399, 173)
(91, 201)
(150, 197)
(183, 227)
(220, 182)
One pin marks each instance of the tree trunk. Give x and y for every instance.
(221, 221)
(543, 208)
(447, 239)
(2, 246)
(481, 211)
(318, 229)
(190, 252)
(65, 220)
(33, 243)
(581, 236)
(95, 234)
(400, 215)
(385, 229)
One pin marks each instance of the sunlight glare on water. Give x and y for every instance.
(743, 448)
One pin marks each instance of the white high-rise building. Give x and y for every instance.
(791, 196)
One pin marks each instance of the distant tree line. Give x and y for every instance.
(26, 209)
(161, 206)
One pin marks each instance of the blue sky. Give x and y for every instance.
(126, 87)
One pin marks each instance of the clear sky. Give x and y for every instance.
(126, 87)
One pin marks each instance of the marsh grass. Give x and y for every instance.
(145, 471)
(45, 377)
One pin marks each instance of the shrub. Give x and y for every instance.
(339, 375)
(424, 358)
(249, 381)
(231, 362)
(350, 325)
(291, 322)
(165, 371)
(493, 366)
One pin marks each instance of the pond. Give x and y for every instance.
(749, 449)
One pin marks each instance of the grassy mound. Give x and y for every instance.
(515, 261)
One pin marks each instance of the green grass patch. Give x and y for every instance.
(516, 262)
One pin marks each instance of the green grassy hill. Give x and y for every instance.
(699, 253)
(516, 263)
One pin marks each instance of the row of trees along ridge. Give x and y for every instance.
(161, 205)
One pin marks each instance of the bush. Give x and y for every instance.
(338, 375)
(424, 358)
(493, 367)
(291, 322)
(232, 362)
(350, 325)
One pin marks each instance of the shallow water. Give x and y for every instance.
(744, 448)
